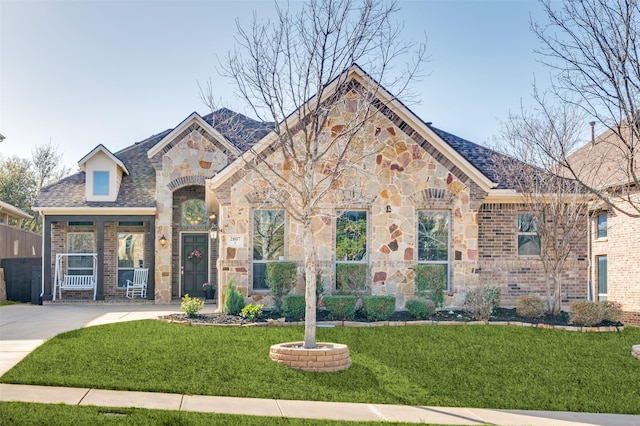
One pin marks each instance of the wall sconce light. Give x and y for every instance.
(388, 209)
(212, 217)
(213, 231)
(163, 240)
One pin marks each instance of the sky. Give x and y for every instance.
(82, 73)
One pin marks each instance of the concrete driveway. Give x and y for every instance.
(24, 327)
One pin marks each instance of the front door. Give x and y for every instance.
(195, 262)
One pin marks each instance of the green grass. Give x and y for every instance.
(21, 413)
(474, 366)
(8, 302)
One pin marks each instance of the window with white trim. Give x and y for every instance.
(434, 236)
(100, 183)
(268, 244)
(528, 237)
(602, 225)
(351, 251)
(601, 265)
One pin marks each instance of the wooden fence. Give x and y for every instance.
(19, 243)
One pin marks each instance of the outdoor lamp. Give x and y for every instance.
(163, 240)
(213, 231)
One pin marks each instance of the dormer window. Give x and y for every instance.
(100, 183)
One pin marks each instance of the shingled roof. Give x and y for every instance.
(139, 187)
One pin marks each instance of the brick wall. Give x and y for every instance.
(516, 275)
(621, 246)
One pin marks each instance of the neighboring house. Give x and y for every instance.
(433, 198)
(614, 237)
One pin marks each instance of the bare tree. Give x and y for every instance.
(592, 47)
(295, 73)
(558, 206)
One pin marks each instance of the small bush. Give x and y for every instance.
(531, 306)
(351, 278)
(481, 302)
(587, 313)
(611, 311)
(341, 307)
(431, 280)
(379, 308)
(233, 301)
(251, 312)
(281, 278)
(294, 306)
(191, 306)
(420, 308)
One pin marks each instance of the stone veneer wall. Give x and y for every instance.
(404, 177)
(188, 160)
(621, 246)
(516, 276)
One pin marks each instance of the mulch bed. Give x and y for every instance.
(500, 315)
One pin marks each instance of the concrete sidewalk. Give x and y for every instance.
(305, 409)
(25, 327)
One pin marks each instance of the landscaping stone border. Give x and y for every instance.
(325, 358)
(275, 323)
(635, 351)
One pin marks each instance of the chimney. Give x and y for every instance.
(593, 132)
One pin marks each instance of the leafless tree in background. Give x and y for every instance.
(592, 48)
(292, 72)
(558, 205)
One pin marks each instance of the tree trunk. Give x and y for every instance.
(310, 266)
(557, 293)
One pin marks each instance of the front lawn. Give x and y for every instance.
(467, 365)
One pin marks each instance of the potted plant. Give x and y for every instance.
(209, 290)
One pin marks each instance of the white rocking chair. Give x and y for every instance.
(138, 286)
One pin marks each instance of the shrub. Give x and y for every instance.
(587, 313)
(431, 280)
(251, 312)
(481, 302)
(281, 278)
(294, 306)
(191, 306)
(233, 301)
(611, 311)
(420, 308)
(341, 307)
(379, 308)
(351, 278)
(531, 306)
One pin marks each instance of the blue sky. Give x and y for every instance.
(81, 73)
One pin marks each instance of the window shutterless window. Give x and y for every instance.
(602, 225)
(80, 242)
(268, 243)
(194, 213)
(351, 251)
(528, 238)
(601, 262)
(130, 255)
(100, 183)
(434, 230)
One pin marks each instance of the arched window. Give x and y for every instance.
(194, 213)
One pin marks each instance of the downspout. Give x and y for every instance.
(42, 257)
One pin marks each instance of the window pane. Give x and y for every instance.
(526, 223)
(260, 276)
(433, 236)
(602, 275)
(351, 236)
(130, 250)
(100, 183)
(80, 242)
(602, 226)
(268, 234)
(528, 245)
(194, 213)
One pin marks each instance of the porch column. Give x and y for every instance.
(100, 251)
(46, 258)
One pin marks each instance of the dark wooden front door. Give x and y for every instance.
(194, 269)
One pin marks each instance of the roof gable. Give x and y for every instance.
(395, 110)
(101, 149)
(166, 143)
